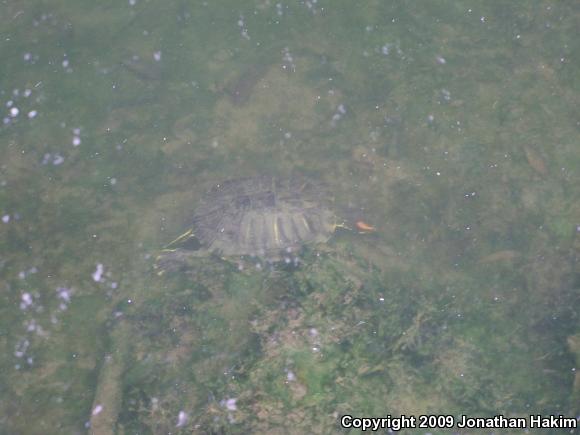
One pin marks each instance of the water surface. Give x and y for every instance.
(452, 126)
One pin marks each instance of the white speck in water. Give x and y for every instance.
(98, 273)
(27, 57)
(14, 112)
(132, 2)
(157, 56)
(230, 404)
(97, 410)
(32, 114)
(65, 63)
(113, 181)
(9, 103)
(31, 325)
(6, 218)
(27, 93)
(340, 111)
(244, 30)
(26, 301)
(440, 60)
(288, 60)
(63, 293)
(181, 419)
(21, 347)
(290, 376)
(57, 160)
(76, 141)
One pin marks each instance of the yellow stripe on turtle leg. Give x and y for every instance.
(185, 236)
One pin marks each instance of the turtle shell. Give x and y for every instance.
(263, 216)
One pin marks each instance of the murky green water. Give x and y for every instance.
(454, 126)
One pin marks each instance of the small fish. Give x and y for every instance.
(241, 88)
(499, 256)
(143, 70)
(535, 161)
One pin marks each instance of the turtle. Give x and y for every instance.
(262, 216)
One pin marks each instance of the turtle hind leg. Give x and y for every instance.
(175, 260)
(181, 239)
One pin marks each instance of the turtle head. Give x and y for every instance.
(363, 227)
(354, 221)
